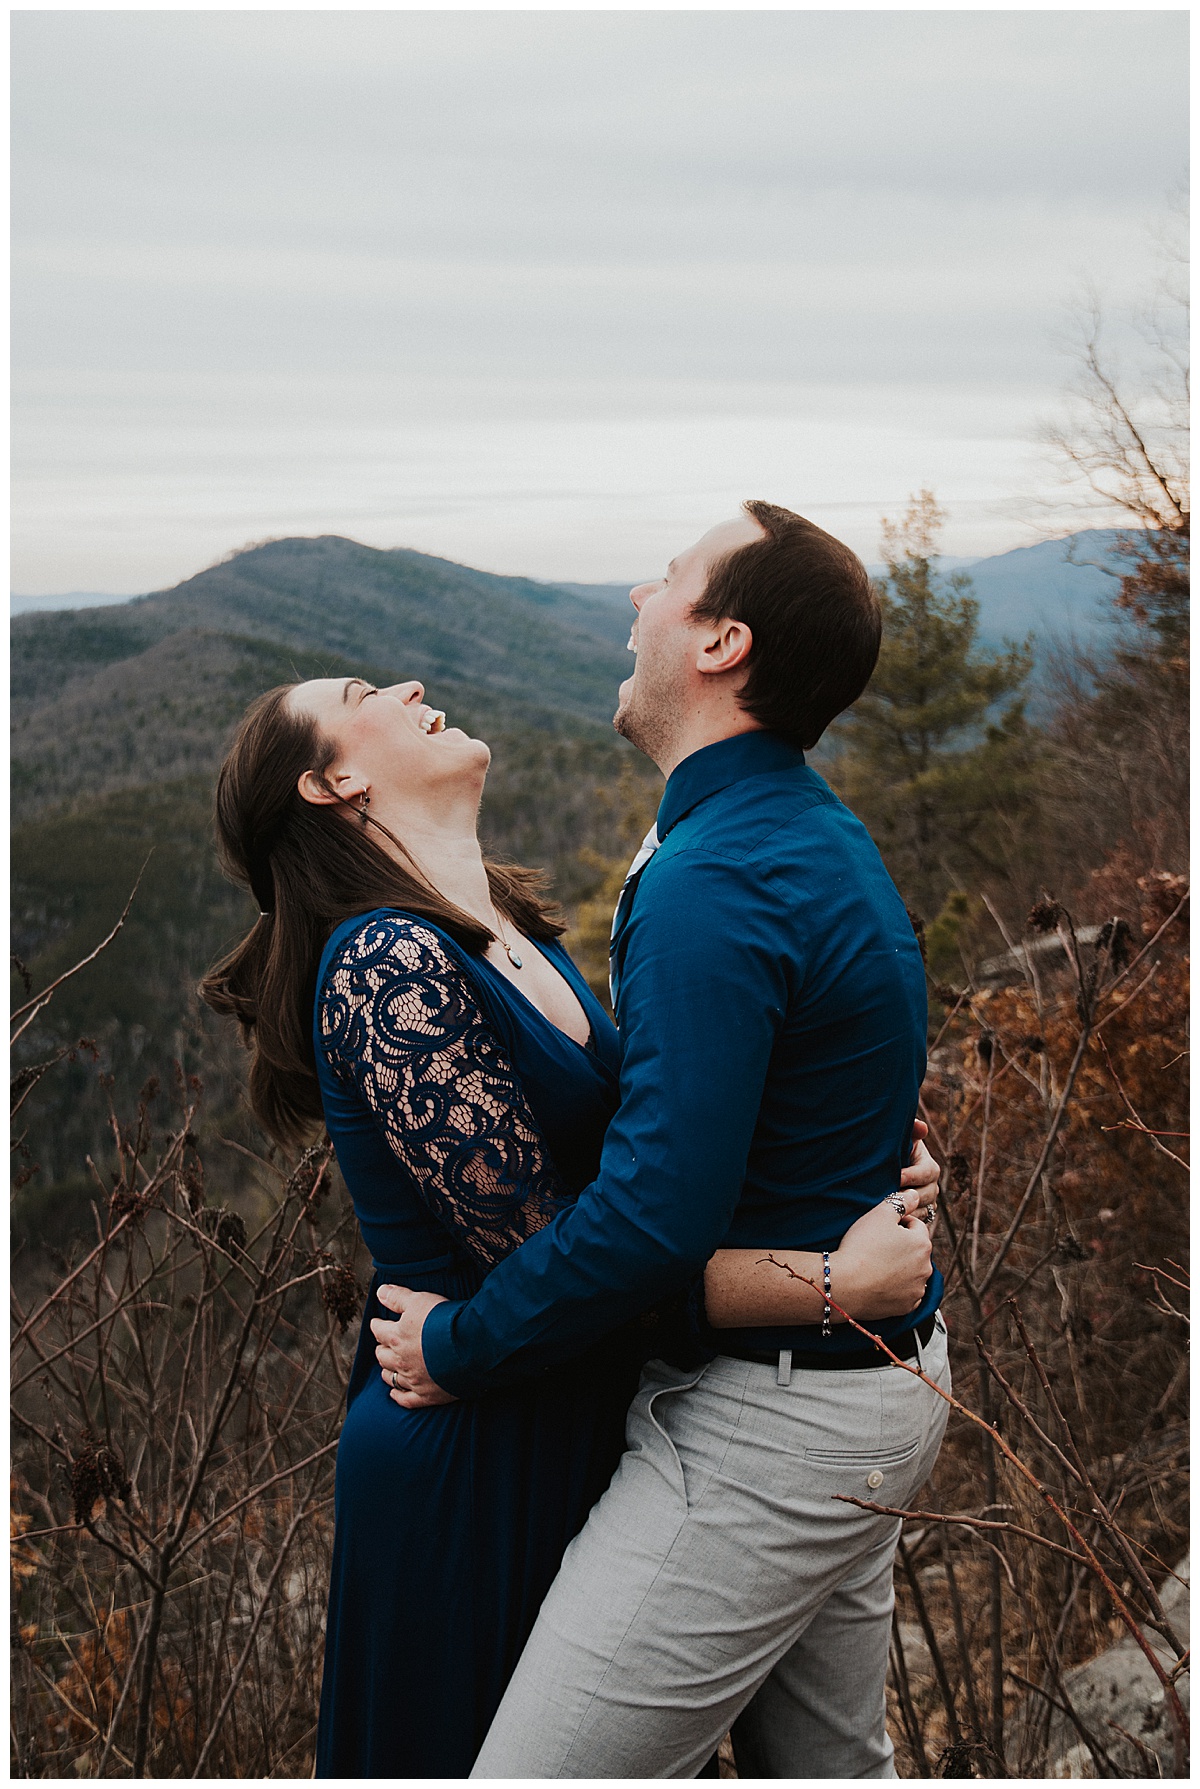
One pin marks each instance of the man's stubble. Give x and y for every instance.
(653, 713)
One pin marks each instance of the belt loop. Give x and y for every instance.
(784, 1375)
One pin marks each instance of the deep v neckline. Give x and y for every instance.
(589, 1045)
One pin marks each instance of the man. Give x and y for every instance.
(771, 999)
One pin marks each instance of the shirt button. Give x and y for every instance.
(874, 1479)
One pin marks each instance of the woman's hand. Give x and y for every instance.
(884, 1262)
(401, 1361)
(880, 1270)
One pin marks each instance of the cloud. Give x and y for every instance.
(228, 225)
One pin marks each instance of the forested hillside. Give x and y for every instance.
(147, 689)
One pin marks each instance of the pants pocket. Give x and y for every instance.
(862, 1456)
(695, 1432)
(647, 1434)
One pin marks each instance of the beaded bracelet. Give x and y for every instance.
(827, 1318)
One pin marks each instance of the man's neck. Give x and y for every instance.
(705, 730)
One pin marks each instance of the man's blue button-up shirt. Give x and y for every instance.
(772, 1013)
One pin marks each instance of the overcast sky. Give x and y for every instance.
(549, 292)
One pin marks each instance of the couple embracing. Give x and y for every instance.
(590, 1505)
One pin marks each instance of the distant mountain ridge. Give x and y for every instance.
(1054, 590)
(70, 599)
(330, 593)
(1055, 585)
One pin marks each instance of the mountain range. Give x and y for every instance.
(1052, 589)
(1056, 590)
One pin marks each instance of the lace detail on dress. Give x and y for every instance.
(400, 1022)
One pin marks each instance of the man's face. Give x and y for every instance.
(666, 684)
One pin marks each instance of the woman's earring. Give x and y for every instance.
(364, 804)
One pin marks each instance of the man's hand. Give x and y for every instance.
(923, 1174)
(399, 1348)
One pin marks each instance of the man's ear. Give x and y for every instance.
(329, 791)
(726, 649)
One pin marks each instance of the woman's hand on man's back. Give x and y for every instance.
(884, 1261)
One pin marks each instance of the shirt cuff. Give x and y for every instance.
(441, 1354)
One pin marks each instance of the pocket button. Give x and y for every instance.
(874, 1479)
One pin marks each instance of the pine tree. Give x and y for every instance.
(927, 758)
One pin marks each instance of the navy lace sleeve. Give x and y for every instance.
(400, 1022)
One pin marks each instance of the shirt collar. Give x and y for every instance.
(716, 767)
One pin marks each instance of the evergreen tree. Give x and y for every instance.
(938, 772)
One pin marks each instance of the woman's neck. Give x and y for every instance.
(445, 847)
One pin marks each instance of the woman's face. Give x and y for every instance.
(388, 740)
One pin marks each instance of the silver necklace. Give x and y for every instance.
(516, 961)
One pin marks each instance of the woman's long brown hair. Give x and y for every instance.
(308, 868)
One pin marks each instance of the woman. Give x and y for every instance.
(416, 999)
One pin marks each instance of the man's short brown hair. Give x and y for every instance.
(814, 617)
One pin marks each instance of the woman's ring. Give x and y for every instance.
(395, 1381)
(898, 1202)
(930, 1212)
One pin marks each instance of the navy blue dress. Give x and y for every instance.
(463, 1120)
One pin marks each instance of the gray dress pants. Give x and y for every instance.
(719, 1583)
